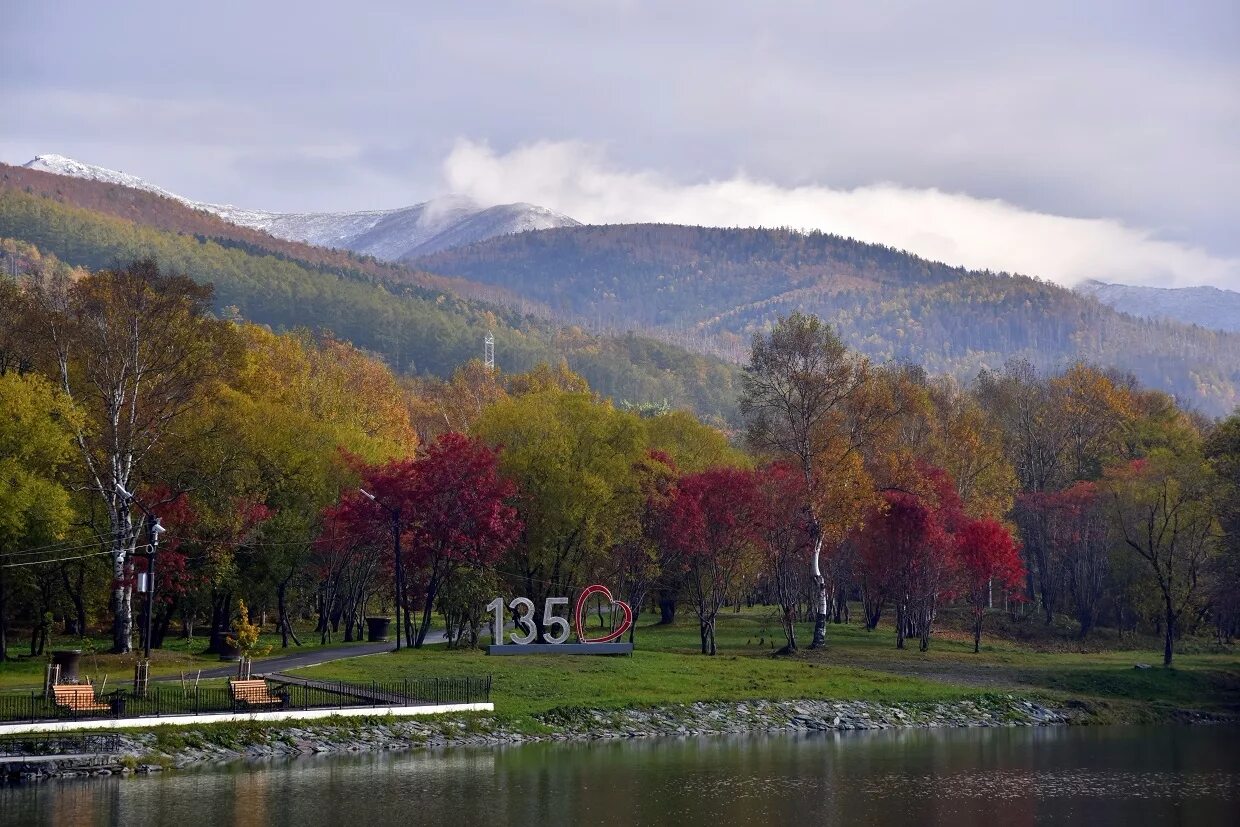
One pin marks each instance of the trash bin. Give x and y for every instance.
(377, 629)
(68, 660)
(228, 651)
(118, 704)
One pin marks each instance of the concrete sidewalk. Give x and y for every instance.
(293, 659)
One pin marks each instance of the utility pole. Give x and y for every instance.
(394, 513)
(153, 529)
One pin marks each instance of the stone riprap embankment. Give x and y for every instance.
(187, 746)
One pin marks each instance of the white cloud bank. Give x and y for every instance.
(577, 179)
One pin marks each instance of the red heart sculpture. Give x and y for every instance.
(581, 605)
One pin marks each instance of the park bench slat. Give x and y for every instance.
(79, 697)
(254, 692)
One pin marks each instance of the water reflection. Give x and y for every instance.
(963, 777)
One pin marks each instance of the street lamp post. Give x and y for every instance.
(153, 529)
(394, 513)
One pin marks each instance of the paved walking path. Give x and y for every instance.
(293, 659)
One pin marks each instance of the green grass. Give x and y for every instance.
(668, 669)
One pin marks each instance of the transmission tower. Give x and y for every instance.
(488, 351)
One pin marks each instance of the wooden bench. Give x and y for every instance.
(79, 697)
(254, 693)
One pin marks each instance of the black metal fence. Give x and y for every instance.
(171, 700)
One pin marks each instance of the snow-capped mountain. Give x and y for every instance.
(1208, 307)
(391, 235)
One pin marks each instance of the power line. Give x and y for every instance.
(62, 544)
(78, 547)
(62, 559)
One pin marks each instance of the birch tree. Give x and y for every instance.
(807, 399)
(135, 350)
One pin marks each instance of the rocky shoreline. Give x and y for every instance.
(182, 747)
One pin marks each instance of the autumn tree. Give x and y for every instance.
(808, 399)
(438, 406)
(36, 444)
(786, 541)
(135, 349)
(1072, 528)
(640, 558)
(1162, 508)
(908, 552)
(715, 522)
(1223, 453)
(989, 558)
(572, 458)
(461, 514)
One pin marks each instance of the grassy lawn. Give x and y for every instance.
(856, 664)
(667, 668)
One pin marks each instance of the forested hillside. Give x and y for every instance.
(420, 329)
(152, 210)
(712, 288)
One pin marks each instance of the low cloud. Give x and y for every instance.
(578, 179)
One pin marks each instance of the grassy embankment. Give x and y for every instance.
(1025, 660)
(856, 665)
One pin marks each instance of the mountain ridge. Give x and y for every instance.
(708, 289)
(1205, 306)
(717, 287)
(386, 234)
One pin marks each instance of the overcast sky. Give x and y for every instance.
(1061, 139)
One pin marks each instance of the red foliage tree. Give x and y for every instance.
(462, 513)
(787, 540)
(989, 556)
(908, 554)
(715, 522)
(452, 510)
(1071, 530)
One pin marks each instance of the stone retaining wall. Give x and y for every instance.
(337, 736)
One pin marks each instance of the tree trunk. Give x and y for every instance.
(75, 624)
(977, 632)
(667, 608)
(122, 614)
(163, 620)
(283, 621)
(221, 617)
(1169, 638)
(820, 620)
(425, 625)
(790, 629)
(122, 595)
(4, 617)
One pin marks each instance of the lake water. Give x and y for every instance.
(1053, 775)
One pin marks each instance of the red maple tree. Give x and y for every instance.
(715, 521)
(989, 557)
